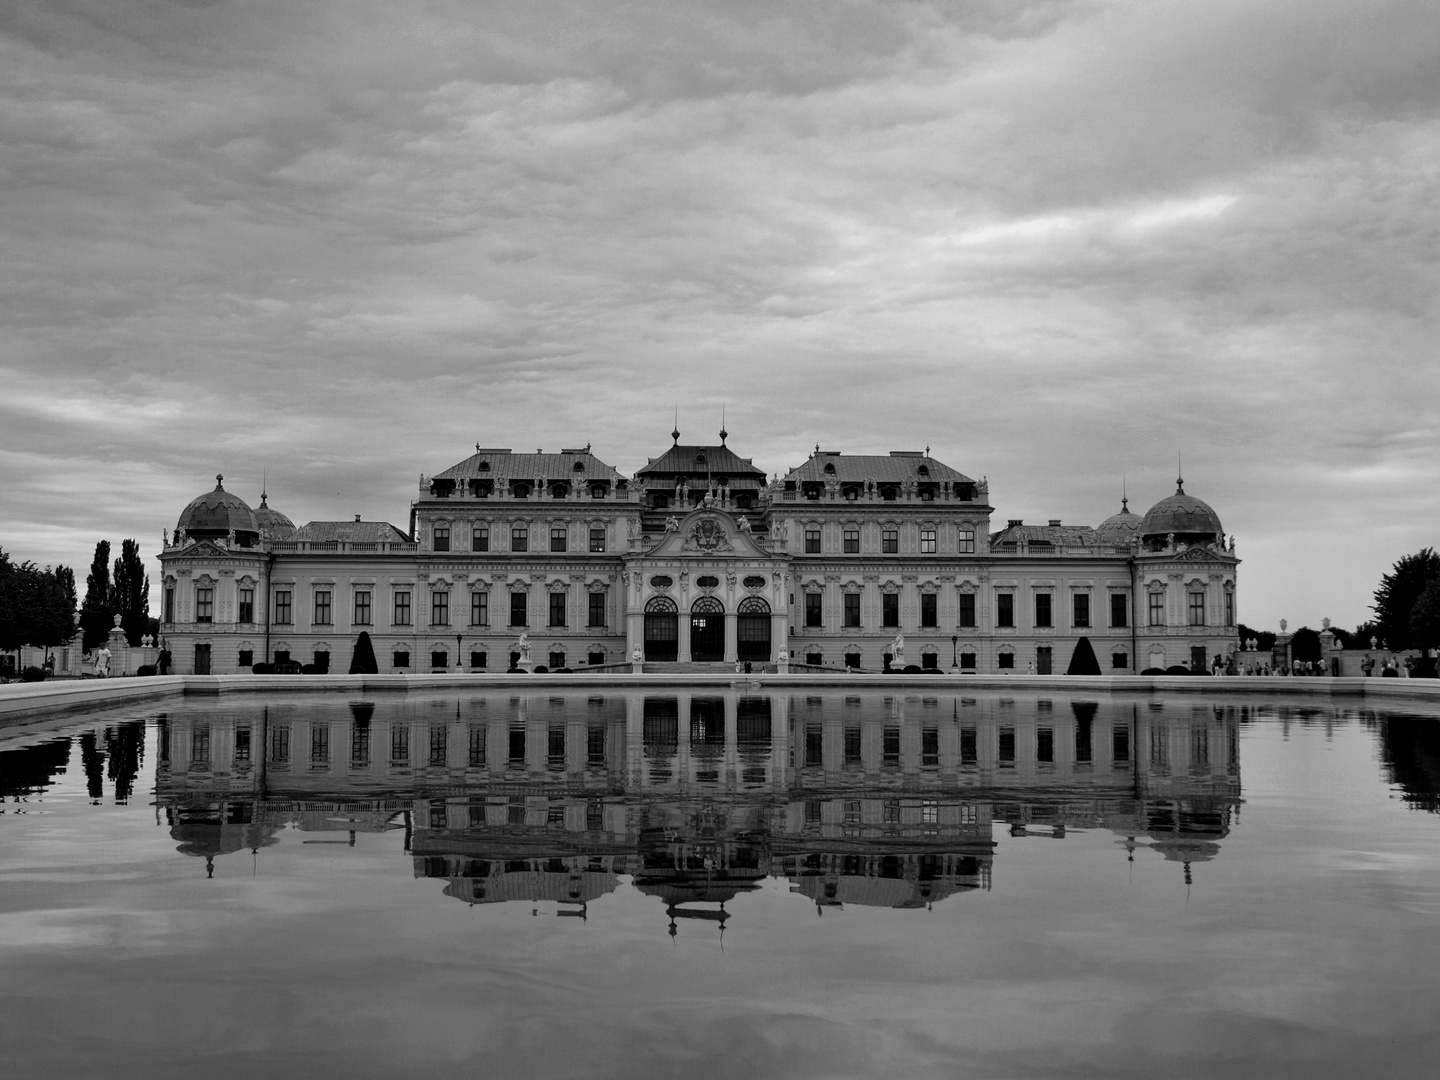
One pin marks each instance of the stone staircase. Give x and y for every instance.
(691, 667)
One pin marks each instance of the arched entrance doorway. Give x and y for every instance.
(707, 630)
(752, 630)
(662, 629)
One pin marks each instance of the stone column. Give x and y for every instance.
(683, 651)
(732, 641)
(779, 634)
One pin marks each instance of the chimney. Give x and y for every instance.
(357, 517)
(1055, 523)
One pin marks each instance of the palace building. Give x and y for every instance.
(865, 562)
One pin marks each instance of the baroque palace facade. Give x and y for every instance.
(858, 561)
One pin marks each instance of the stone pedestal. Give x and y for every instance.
(120, 658)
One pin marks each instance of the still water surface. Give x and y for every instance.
(722, 884)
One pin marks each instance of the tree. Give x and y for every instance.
(1425, 618)
(35, 607)
(1264, 639)
(130, 592)
(1363, 633)
(1398, 591)
(363, 662)
(96, 615)
(1305, 645)
(1082, 661)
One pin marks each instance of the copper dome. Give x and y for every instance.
(214, 514)
(1184, 515)
(1119, 528)
(273, 521)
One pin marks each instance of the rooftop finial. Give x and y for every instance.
(675, 433)
(264, 483)
(723, 432)
(1124, 492)
(1179, 475)
(219, 482)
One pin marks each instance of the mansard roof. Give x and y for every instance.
(690, 460)
(894, 467)
(1053, 534)
(537, 466)
(356, 532)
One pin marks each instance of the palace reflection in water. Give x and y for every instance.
(861, 799)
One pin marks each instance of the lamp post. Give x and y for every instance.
(459, 663)
(954, 652)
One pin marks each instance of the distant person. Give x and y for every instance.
(1367, 665)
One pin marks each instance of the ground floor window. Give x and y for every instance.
(1005, 661)
(967, 661)
(557, 660)
(595, 658)
(812, 658)
(929, 661)
(246, 658)
(852, 659)
(402, 658)
(439, 658)
(1119, 660)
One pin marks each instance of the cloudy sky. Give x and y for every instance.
(1058, 242)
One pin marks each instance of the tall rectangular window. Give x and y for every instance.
(319, 744)
(322, 607)
(402, 608)
(967, 541)
(1081, 604)
(812, 609)
(362, 607)
(1043, 616)
(441, 537)
(812, 541)
(170, 604)
(889, 541)
(557, 537)
(597, 540)
(284, 613)
(1157, 608)
(1197, 608)
(439, 607)
(1119, 609)
(517, 609)
(928, 616)
(852, 541)
(927, 541)
(889, 609)
(479, 608)
(519, 538)
(967, 609)
(852, 608)
(246, 613)
(1229, 608)
(204, 604)
(596, 615)
(558, 602)
(480, 538)
(1004, 609)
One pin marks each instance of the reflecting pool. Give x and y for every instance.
(716, 883)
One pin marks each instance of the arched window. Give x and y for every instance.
(661, 605)
(707, 605)
(754, 605)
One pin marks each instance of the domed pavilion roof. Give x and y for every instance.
(273, 521)
(1184, 515)
(1119, 528)
(215, 513)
